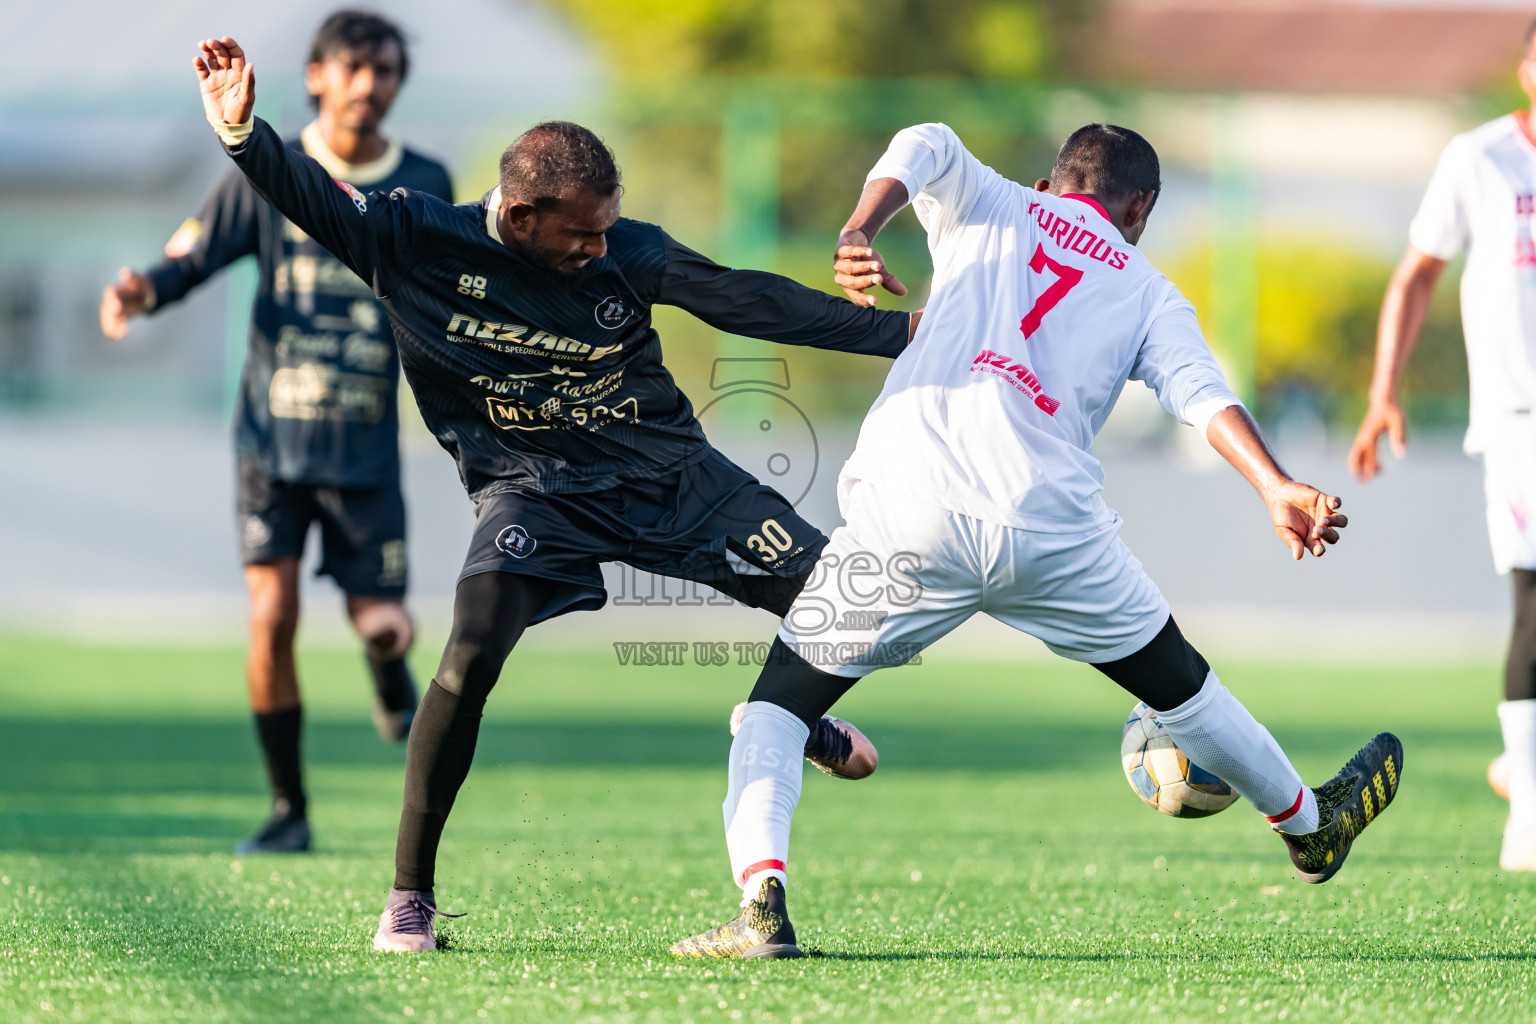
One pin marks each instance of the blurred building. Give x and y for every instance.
(1311, 46)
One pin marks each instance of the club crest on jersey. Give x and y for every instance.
(612, 313)
(514, 540)
(358, 199)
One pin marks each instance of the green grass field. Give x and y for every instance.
(997, 867)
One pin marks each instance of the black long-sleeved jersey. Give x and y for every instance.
(317, 399)
(527, 379)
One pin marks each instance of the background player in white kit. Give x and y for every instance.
(1482, 199)
(973, 488)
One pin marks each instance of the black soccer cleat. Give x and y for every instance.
(1346, 804)
(283, 833)
(760, 932)
(835, 747)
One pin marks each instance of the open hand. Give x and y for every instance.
(857, 268)
(121, 301)
(1381, 418)
(227, 81)
(1305, 518)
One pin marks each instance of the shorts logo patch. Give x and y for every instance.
(612, 313)
(255, 532)
(514, 540)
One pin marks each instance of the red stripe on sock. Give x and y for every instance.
(1277, 819)
(762, 865)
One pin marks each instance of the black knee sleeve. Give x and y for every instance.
(1520, 666)
(1164, 674)
(792, 683)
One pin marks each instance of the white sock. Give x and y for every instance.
(1517, 718)
(766, 763)
(1216, 732)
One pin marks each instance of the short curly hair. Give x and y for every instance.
(1107, 160)
(553, 159)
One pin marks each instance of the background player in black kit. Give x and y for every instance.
(316, 425)
(524, 328)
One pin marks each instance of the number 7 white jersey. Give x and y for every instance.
(1039, 313)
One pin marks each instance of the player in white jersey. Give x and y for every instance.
(974, 488)
(1482, 201)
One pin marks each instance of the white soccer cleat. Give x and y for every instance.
(1498, 776)
(835, 747)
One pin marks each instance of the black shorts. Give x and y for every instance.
(362, 529)
(711, 522)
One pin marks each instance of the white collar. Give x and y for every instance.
(353, 174)
(492, 212)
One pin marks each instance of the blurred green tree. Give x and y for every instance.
(1318, 304)
(995, 39)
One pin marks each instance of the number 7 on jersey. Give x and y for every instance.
(1066, 279)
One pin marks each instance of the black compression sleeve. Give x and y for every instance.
(490, 612)
(1164, 674)
(798, 687)
(762, 305)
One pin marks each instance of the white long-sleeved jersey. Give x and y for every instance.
(1039, 313)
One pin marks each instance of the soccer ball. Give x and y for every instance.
(1162, 776)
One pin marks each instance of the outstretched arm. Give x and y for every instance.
(774, 308)
(367, 234)
(1402, 314)
(1305, 519)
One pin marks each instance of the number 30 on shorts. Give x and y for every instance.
(772, 543)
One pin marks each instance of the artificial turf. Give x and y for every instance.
(997, 867)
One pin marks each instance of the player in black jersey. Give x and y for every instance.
(524, 328)
(316, 423)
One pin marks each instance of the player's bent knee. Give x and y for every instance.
(386, 627)
(1164, 674)
(797, 686)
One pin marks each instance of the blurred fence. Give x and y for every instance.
(755, 172)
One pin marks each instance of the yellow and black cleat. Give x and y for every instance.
(1346, 804)
(760, 932)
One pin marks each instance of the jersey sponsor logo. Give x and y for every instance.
(358, 199)
(304, 274)
(515, 541)
(1078, 239)
(612, 313)
(1021, 377)
(553, 414)
(521, 339)
(315, 391)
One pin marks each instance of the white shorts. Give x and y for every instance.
(1509, 482)
(902, 574)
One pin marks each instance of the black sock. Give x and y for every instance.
(392, 682)
(1520, 666)
(437, 760)
(278, 732)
